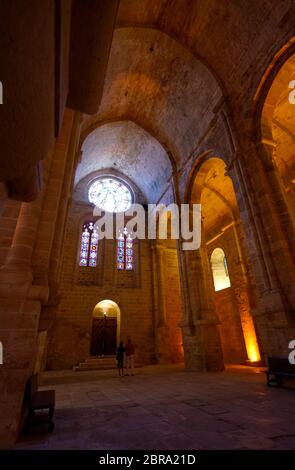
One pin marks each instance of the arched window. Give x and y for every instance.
(125, 251)
(88, 245)
(219, 270)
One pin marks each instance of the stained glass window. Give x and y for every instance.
(125, 251)
(110, 194)
(89, 245)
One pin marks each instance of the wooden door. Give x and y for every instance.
(103, 338)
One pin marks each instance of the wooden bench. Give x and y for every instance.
(37, 401)
(278, 369)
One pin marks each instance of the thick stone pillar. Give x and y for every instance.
(201, 339)
(155, 305)
(19, 322)
(20, 306)
(18, 334)
(67, 188)
(160, 255)
(210, 329)
(269, 240)
(21, 250)
(52, 199)
(159, 304)
(55, 218)
(244, 298)
(155, 300)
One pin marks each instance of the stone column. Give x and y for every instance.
(20, 306)
(201, 337)
(52, 200)
(67, 187)
(155, 297)
(209, 318)
(244, 297)
(19, 322)
(265, 222)
(160, 262)
(265, 150)
(158, 255)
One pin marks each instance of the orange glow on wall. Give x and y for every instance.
(250, 338)
(252, 349)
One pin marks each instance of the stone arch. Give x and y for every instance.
(268, 91)
(195, 172)
(213, 188)
(129, 86)
(197, 182)
(273, 131)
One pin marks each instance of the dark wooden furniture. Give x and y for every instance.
(279, 368)
(37, 402)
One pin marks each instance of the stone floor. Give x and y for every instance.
(167, 408)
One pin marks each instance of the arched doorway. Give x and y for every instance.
(224, 261)
(105, 332)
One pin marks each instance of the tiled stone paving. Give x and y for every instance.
(164, 407)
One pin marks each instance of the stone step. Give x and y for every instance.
(98, 363)
(91, 360)
(81, 367)
(95, 364)
(113, 361)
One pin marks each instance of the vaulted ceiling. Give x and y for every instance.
(127, 148)
(165, 96)
(171, 63)
(235, 38)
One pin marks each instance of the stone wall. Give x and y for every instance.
(232, 304)
(82, 288)
(8, 222)
(168, 309)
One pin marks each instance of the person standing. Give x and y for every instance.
(120, 358)
(130, 351)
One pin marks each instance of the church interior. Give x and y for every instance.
(105, 104)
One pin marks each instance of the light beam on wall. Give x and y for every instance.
(250, 337)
